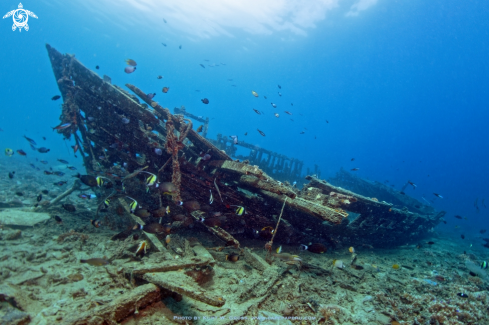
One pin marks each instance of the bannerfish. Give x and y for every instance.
(240, 210)
(141, 250)
(235, 139)
(134, 204)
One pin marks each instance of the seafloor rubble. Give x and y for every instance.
(214, 262)
(43, 282)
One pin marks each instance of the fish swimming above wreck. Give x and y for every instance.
(140, 204)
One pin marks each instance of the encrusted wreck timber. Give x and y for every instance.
(361, 205)
(180, 283)
(76, 186)
(118, 309)
(239, 168)
(270, 186)
(313, 209)
(217, 231)
(170, 265)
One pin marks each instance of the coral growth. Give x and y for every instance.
(174, 144)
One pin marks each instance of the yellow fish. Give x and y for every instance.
(131, 62)
(240, 211)
(133, 205)
(254, 93)
(143, 246)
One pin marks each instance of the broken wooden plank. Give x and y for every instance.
(313, 209)
(254, 260)
(269, 185)
(354, 206)
(118, 309)
(217, 231)
(170, 265)
(183, 284)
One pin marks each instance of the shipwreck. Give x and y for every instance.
(119, 132)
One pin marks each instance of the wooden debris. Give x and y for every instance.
(76, 186)
(170, 265)
(217, 231)
(180, 283)
(311, 208)
(118, 309)
(254, 260)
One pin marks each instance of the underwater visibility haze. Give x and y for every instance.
(115, 207)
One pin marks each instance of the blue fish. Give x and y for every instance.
(32, 142)
(43, 150)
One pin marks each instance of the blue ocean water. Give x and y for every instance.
(401, 86)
